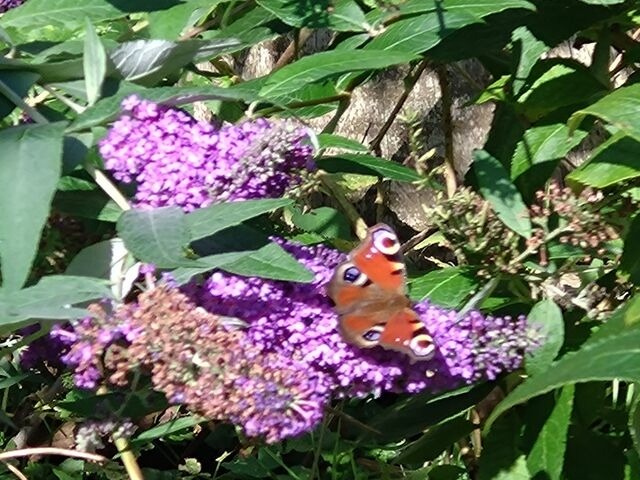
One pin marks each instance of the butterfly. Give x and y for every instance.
(369, 293)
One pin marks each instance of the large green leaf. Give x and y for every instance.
(340, 15)
(436, 440)
(29, 171)
(169, 24)
(501, 458)
(546, 458)
(325, 64)
(183, 275)
(448, 287)
(561, 85)
(619, 108)
(415, 414)
(159, 236)
(65, 14)
(528, 49)
(107, 109)
(50, 298)
(546, 320)
(368, 165)
(148, 61)
(496, 187)
(538, 153)
(419, 33)
(167, 428)
(603, 357)
(615, 161)
(270, 261)
(209, 220)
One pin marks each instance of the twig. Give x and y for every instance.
(292, 49)
(415, 240)
(69, 103)
(19, 102)
(410, 83)
(447, 126)
(65, 452)
(124, 449)
(108, 187)
(15, 471)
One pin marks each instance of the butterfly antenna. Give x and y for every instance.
(478, 298)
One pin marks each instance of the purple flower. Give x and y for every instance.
(296, 320)
(6, 5)
(45, 349)
(176, 160)
(88, 341)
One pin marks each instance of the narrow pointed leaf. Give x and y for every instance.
(29, 171)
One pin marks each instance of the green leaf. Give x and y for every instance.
(94, 64)
(368, 165)
(561, 85)
(630, 261)
(340, 15)
(183, 275)
(204, 222)
(415, 414)
(496, 187)
(50, 298)
(546, 458)
(148, 61)
(253, 27)
(448, 287)
(326, 221)
(603, 357)
(420, 33)
(614, 161)
(108, 260)
(328, 140)
(634, 422)
(619, 108)
(325, 64)
(107, 109)
(546, 320)
(437, 439)
(168, 428)
(528, 49)
(87, 204)
(159, 236)
(169, 24)
(501, 459)
(270, 261)
(538, 153)
(29, 173)
(18, 82)
(64, 14)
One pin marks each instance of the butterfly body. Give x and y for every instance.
(369, 293)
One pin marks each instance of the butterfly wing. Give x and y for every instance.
(400, 330)
(368, 291)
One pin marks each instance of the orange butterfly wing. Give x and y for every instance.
(369, 295)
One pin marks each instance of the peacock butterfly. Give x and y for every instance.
(369, 293)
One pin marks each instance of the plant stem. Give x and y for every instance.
(447, 127)
(410, 83)
(109, 188)
(18, 101)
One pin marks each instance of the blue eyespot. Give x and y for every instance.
(351, 275)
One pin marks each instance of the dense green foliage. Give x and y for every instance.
(532, 227)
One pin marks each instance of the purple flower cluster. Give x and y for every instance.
(177, 160)
(88, 341)
(6, 5)
(297, 321)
